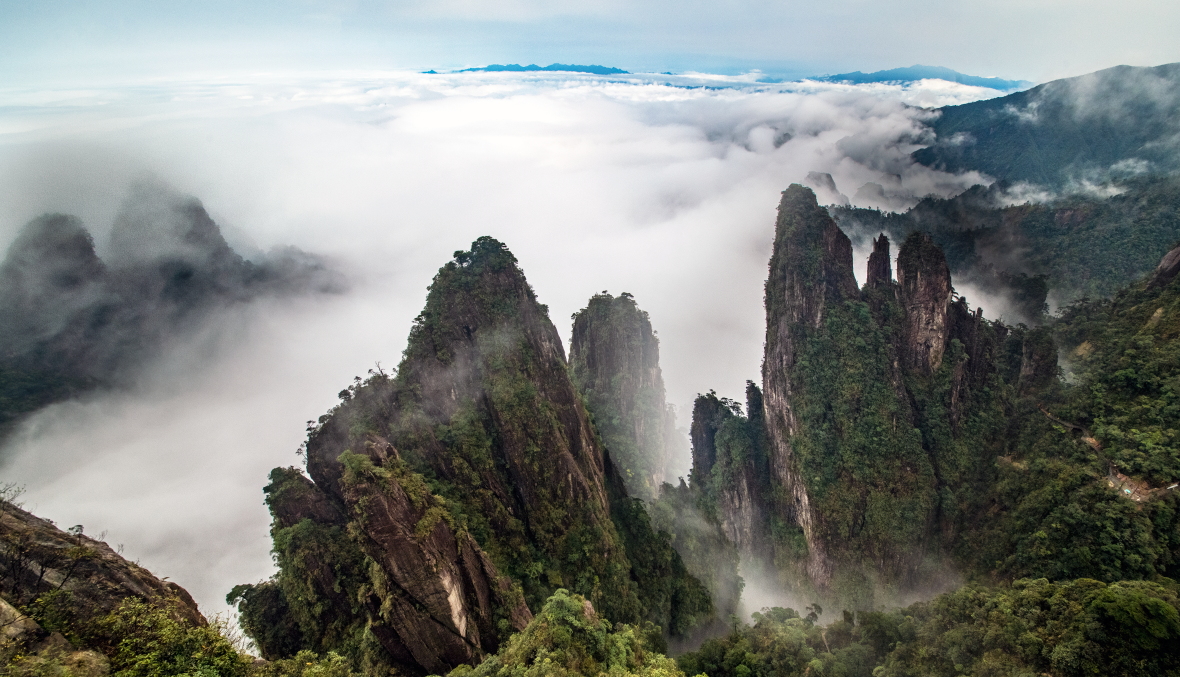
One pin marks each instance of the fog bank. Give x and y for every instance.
(659, 186)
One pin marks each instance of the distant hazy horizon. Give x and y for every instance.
(73, 42)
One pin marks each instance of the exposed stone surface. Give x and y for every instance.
(483, 406)
(615, 361)
(21, 635)
(810, 267)
(441, 590)
(37, 557)
(925, 283)
(729, 465)
(1167, 269)
(880, 271)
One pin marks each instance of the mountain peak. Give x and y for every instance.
(920, 72)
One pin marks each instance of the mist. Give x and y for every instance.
(658, 186)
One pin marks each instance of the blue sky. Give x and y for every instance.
(76, 41)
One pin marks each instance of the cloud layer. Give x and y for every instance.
(660, 186)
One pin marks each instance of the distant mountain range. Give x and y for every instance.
(1110, 124)
(918, 72)
(562, 67)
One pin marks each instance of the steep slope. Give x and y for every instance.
(38, 558)
(63, 593)
(730, 468)
(615, 362)
(1115, 122)
(497, 471)
(853, 475)
(884, 407)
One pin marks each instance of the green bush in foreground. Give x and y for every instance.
(568, 638)
(144, 640)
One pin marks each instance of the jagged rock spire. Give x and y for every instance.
(810, 270)
(925, 282)
(880, 273)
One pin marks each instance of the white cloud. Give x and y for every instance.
(655, 185)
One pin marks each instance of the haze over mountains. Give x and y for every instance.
(496, 504)
(1112, 124)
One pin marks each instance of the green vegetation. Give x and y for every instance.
(142, 640)
(1113, 122)
(1081, 627)
(569, 638)
(707, 554)
(486, 432)
(481, 311)
(678, 601)
(1082, 245)
(729, 448)
(136, 639)
(865, 466)
(316, 601)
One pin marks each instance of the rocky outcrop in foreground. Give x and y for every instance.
(72, 580)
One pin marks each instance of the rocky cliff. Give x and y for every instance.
(810, 272)
(497, 473)
(925, 286)
(57, 588)
(730, 468)
(615, 362)
(867, 396)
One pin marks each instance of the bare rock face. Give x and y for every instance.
(615, 361)
(425, 577)
(880, 272)
(925, 282)
(438, 592)
(380, 562)
(810, 268)
(36, 557)
(1166, 271)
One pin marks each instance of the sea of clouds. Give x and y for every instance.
(662, 186)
